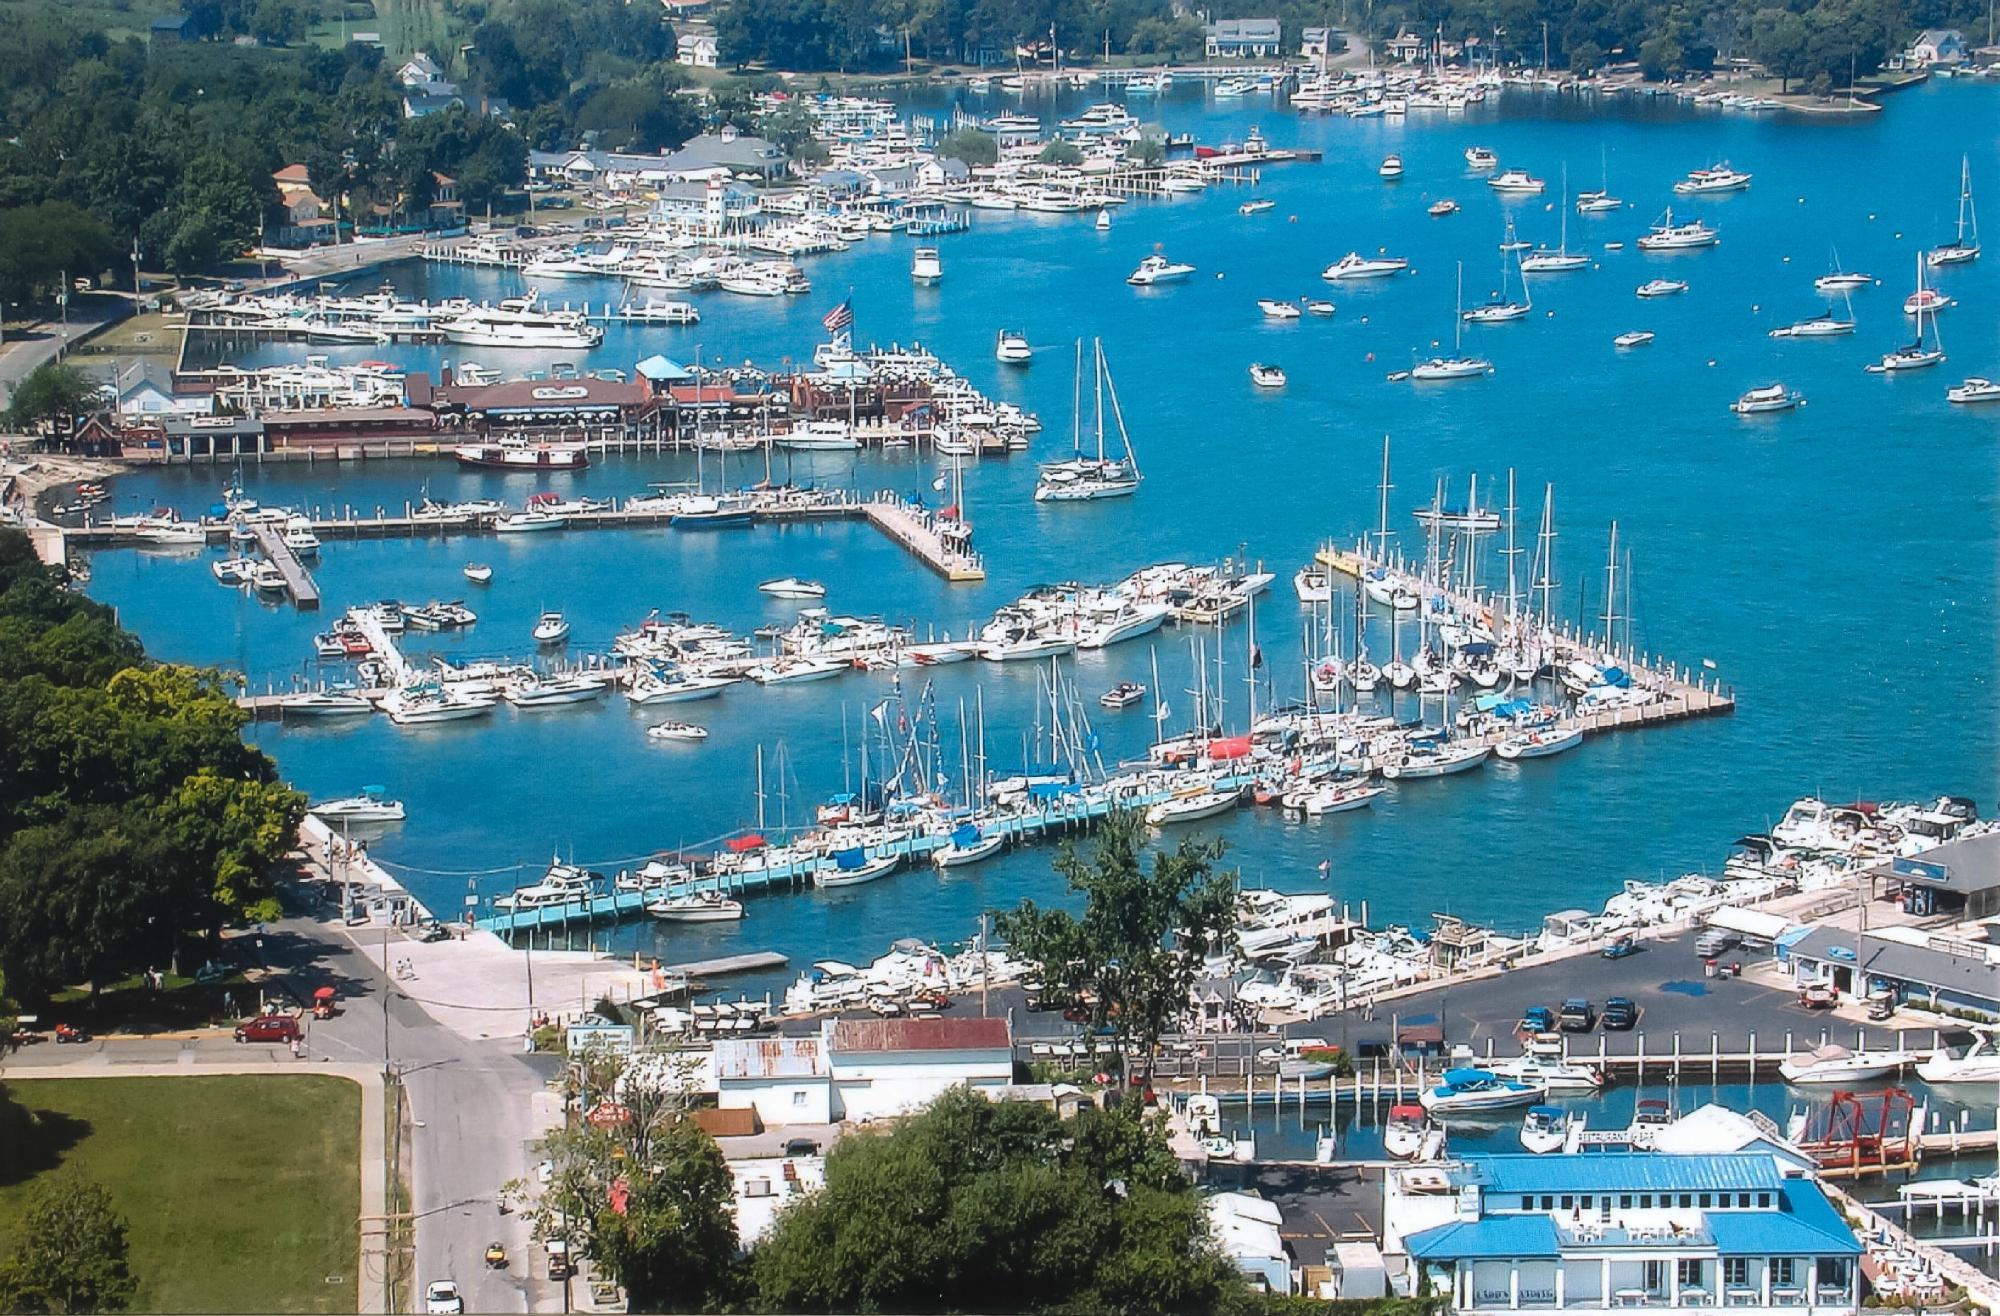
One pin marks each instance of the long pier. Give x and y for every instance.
(917, 531)
(298, 581)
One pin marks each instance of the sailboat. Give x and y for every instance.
(1562, 260)
(1964, 248)
(1081, 478)
(1915, 356)
(1457, 365)
(1600, 201)
(1502, 308)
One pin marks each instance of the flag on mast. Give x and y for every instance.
(840, 318)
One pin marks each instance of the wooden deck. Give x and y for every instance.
(913, 529)
(298, 581)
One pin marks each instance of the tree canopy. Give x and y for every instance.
(53, 394)
(71, 1253)
(132, 812)
(976, 1205)
(1134, 956)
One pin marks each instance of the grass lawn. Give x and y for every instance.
(241, 1191)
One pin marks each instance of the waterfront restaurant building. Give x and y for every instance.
(1608, 1230)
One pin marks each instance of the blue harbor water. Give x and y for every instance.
(1836, 564)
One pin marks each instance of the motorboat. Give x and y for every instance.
(1012, 349)
(1443, 206)
(521, 322)
(478, 573)
(1545, 1129)
(1541, 742)
(1666, 235)
(1158, 269)
(518, 523)
(791, 587)
(925, 267)
(1436, 759)
(1824, 325)
(427, 702)
(299, 537)
(368, 807)
(1319, 308)
(1842, 281)
(1123, 695)
(968, 845)
(854, 867)
(649, 687)
(1767, 398)
(1926, 301)
(1517, 182)
(1264, 376)
(686, 732)
(521, 454)
(1391, 167)
(1833, 1063)
(1473, 1091)
(1548, 1069)
(1312, 584)
(562, 884)
(1451, 367)
(1103, 221)
(1716, 178)
(232, 570)
(1663, 288)
(267, 578)
(1025, 648)
(798, 669)
(1193, 806)
(1975, 1062)
(174, 534)
(1408, 1128)
(323, 703)
(532, 691)
(1974, 390)
(1277, 310)
(1649, 1116)
(1963, 248)
(1256, 206)
(1633, 338)
(1478, 157)
(697, 907)
(1356, 266)
(551, 628)
(1597, 203)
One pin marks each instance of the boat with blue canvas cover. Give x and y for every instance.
(855, 866)
(968, 846)
(1468, 1091)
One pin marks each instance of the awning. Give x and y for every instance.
(745, 844)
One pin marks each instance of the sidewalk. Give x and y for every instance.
(372, 1284)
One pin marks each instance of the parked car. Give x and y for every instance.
(1537, 1019)
(1620, 1013)
(556, 203)
(1819, 996)
(801, 1147)
(441, 1298)
(1620, 948)
(1578, 1015)
(269, 1028)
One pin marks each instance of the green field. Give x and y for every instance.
(242, 1191)
(117, 19)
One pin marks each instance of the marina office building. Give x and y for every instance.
(1597, 1231)
(861, 1069)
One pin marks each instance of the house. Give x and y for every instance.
(421, 73)
(304, 212)
(1675, 1233)
(1244, 38)
(1960, 878)
(171, 28)
(446, 210)
(1407, 47)
(727, 150)
(786, 1080)
(417, 104)
(1316, 42)
(885, 1067)
(935, 172)
(1938, 46)
(1932, 969)
(696, 49)
(144, 390)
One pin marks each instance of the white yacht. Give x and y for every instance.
(1597, 203)
(1468, 1091)
(697, 907)
(299, 537)
(1633, 338)
(1975, 1062)
(1964, 247)
(323, 703)
(1436, 759)
(1013, 349)
(1256, 206)
(792, 587)
(551, 628)
(515, 453)
(798, 669)
(854, 867)
(968, 845)
(1669, 236)
(563, 884)
(680, 732)
(367, 807)
(1824, 325)
(1545, 1129)
(532, 691)
(521, 322)
(1663, 287)
(1158, 269)
(232, 570)
(1391, 167)
(650, 687)
(1918, 354)
(1266, 376)
(1274, 309)
(1767, 398)
(1517, 182)
(1833, 1063)
(1478, 157)
(516, 523)
(1082, 478)
(925, 267)
(427, 702)
(1356, 266)
(1457, 365)
(830, 435)
(1540, 742)
(1974, 390)
(1193, 806)
(1717, 178)
(1842, 281)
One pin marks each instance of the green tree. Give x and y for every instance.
(1662, 56)
(640, 1188)
(1778, 42)
(1148, 151)
(976, 1205)
(92, 897)
(970, 145)
(1134, 956)
(1586, 57)
(1061, 152)
(72, 1253)
(41, 243)
(53, 394)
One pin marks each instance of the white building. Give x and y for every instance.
(1676, 1233)
(696, 49)
(1938, 46)
(784, 1079)
(884, 1067)
(766, 1185)
(1247, 1229)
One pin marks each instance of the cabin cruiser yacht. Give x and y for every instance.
(1833, 1063)
(1974, 1062)
(1472, 1091)
(563, 884)
(1356, 266)
(1716, 178)
(1669, 236)
(521, 322)
(1517, 182)
(1158, 269)
(1765, 399)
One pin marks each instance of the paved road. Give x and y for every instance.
(30, 346)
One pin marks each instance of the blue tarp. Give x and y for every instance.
(1616, 676)
(849, 860)
(965, 836)
(1049, 790)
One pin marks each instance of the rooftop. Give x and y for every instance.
(1621, 1171)
(955, 1034)
(1964, 866)
(769, 1057)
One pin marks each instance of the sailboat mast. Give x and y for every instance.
(760, 788)
(1611, 590)
(1076, 405)
(1382, 535)
(1250, 669)
(1097, 345)
(1545, 551)
(1159, 699)
(1513, 588)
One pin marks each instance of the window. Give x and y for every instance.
(1707, 1200)
(1569, 1201)
(1548, 1202)
(1743, 1200)
(1781, 1272)
(1625, 1201)
(1587, 1202)
(1736, 1272)
(1764, 1200)
(799, 1097)
(1690, 1271)
(1656, 1276)
(1645, 1201)
(1687, 1200)
(1528, 1202)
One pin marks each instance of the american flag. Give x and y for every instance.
(840, 317)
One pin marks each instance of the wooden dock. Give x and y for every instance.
(916, 530)
(298, 581)
(751, 962)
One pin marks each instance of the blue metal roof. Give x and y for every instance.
(1624, 1172)
(1809, 1225)
(1495, 1236)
